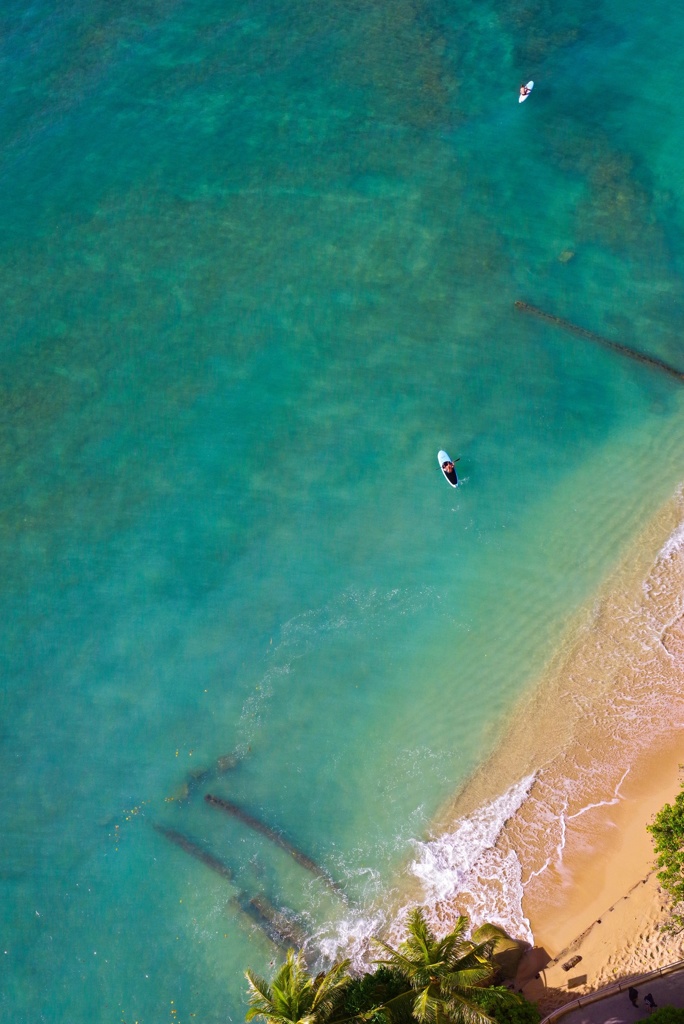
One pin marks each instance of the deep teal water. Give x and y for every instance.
(258, 265)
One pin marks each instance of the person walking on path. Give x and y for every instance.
(648, 998)
(633, 996)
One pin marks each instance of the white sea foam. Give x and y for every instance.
(352, 939)
(467, 861)
(349, 613)
(619, 687)
(615, 799)
(673, 545)
(447, 862)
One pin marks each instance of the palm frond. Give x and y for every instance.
(475, 958)
(258, 985)
(464, 1010)
(445, 974)
(483, 950)
(468, 978)
(487, 931)
(287, 998)
(447, 948)
(399, 1006)
(420, 940)
(453, 946)
(397, 959)
(260, 996)
(329, 990)
(269, 1015)
(460, 927)
(423, 1007)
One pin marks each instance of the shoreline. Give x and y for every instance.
(595, 878)
(580, 786)
(589, 633)
(613, 909)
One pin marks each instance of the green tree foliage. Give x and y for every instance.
(366, 997)
(425, 981)
(443, 976)
(667, 1015)
(294, 997)
(508, 1008)
(668, 838)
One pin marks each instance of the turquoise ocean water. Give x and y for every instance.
(259, 263)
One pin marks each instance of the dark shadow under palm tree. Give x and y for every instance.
(444, 976)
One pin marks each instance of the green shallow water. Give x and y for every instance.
(258, 265)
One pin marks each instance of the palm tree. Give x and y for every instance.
(443, 975)
(294, 997)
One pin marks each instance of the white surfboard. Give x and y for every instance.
(530, 86)
(449, 473)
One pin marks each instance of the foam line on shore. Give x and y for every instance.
(451, 865)
(613, 693)
(673, 545)
(601, 803)
(619, 690)
(614, 687)
(445, 868)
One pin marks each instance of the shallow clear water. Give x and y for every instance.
(258, 265)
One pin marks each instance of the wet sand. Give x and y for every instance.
(613, 909)
(601, 739)
(599, 897)
(596, 878)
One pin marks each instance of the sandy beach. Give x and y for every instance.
(603, 758)
(599, 897)
(614, 910)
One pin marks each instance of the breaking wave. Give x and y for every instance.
(615, 691)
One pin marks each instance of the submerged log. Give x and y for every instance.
(196, 779)
(282, 923)
(227, 763)
(631, 353)
(199, 777)
(246, 907)
(279, 927)
(195, 851)
(275, 837)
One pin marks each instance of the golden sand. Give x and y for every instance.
(602, 735)
(612, 911)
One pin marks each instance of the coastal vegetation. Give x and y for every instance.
(667, 1015)
(426, 980)
(443, 977)
(459, 978)
(667, 830)
(507, 1008)
(294, 997)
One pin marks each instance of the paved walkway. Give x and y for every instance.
(617, 1009)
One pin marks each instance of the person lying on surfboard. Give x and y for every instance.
(446, 464)
(524, 91)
